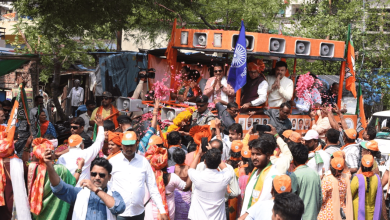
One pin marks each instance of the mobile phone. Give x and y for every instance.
(263, 128)
(254, 127)
(204, 143)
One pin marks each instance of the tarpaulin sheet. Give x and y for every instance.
(122, 70)
(7, 66)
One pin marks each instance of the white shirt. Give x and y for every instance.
(283, 94)
(233, 184)
(352, 155)
(86, 118)
(262, 92)
(208, 199)
(261, 210)
(264, 194)
(129, 179)
(318, 167)
(69, 160)
(77, 96)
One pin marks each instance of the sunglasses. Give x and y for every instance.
(234, 111)
(200, 106)
(102, 175)
(218, 71)
(106, 98)
(74, 127)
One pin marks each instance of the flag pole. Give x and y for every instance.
(341, 82)
(238, 98)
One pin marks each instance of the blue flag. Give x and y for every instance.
(237, 73)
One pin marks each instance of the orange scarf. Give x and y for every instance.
(37, 182)
(158, 159)
(44, 127)
(6, 150)
(113, 115)
(315, 150)
(113, 155)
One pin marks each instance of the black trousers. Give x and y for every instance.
(137, 217)
(74, 108)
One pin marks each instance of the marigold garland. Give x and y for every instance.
(182, 116)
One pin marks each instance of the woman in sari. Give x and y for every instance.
(44, 204)
(46, 126)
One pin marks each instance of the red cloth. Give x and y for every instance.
(44, 127)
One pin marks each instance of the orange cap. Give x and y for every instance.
(282, 183)
(129, 138)
(339, 153)
(287, 133)
(351, 133)
(337, 163)
(370, 145)
(368, 160)
(154, 140)
(295, 137)
(245, 152)
(75, 140)
(237, 146)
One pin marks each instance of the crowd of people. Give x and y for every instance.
(201, 165)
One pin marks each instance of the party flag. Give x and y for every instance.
(237, 73)
(350, 64)
(361, 120)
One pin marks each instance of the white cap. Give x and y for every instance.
(310, 135)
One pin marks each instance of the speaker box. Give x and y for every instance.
(302, 47)
(129, 105)
(184, 38)
(326, 50)
(249, 39)
(170, 113)
(217, 40)
(277, 45)
(200, 40)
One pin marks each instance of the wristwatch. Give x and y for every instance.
(97, 190)
(78, 171)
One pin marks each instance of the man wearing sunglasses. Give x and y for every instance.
(218, 88)
(202, 116)
(94, 199)
(77, 127)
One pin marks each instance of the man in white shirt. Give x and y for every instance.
(233, 184)
(208, 199)
(77, 96)
(260, 182)
(76, 150)
(319, 160)
(262, 210)
(131, 172)
(282, 88)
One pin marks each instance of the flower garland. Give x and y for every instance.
(304, 88)
(182, 116)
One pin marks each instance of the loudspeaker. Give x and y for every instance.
(217, 40)
(249, 40)
(200, 40)
(170, 113)
(125, 104)
(277, 45)
(184, 38)
(302, 47)
(326, 50)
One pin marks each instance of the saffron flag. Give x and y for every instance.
(171, 54)
(361, 118)
(20, 107)
(237, 73)
(350, 64)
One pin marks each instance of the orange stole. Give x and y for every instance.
(113, 116)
